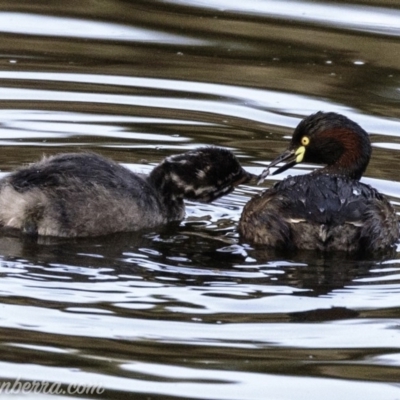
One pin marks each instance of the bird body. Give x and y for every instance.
(328, 209)
(85, 194)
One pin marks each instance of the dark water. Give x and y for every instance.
(188, 311)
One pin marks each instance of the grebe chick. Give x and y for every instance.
(328, 209)
(85, 194)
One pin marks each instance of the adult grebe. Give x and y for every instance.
(328, 209)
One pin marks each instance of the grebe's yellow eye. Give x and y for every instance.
(305, 140)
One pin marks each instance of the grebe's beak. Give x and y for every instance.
(290, 157)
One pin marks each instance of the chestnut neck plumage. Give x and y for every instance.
(339, 143)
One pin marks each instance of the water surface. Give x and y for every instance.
(188, 311)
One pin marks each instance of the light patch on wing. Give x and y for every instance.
(173, 160)
(187, 188)
(295, 220)
(201, 174)
(201, 193)
(217, 193)
(47, 230)
(358, 224)
(177, 180)
(323, 232)
(14, 205)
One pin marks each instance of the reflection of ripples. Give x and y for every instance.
(156, 282)
(43, 25)
(208, 277)
(359, 18)
(267, 100)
